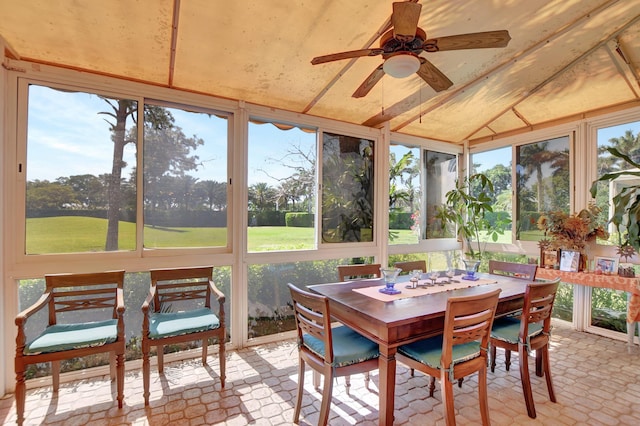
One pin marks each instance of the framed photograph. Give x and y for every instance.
(606, 265)
(549, 258)
(569, 260)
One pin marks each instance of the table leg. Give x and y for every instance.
(632, 317)
(631, 328)
(387, 384)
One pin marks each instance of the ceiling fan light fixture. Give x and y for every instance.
(401, 66)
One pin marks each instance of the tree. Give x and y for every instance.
(261, 196)
(88, 190)
(532, 158)
(627, 143)
(120, 110)
(401, 175)
(44, 195)
(212, 194)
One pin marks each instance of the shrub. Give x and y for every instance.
(400, 220)
(299, 219)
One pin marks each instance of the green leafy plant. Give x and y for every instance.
(626, 203)
(467, 207)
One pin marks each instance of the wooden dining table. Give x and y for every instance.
(397, 322)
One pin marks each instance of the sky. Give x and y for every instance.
(67, 136)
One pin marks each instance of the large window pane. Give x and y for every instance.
(496, 165)
(563, 305)
(441, 172)
(81, 157)
(404, 195)
(608, 307)
(347, 189)
(270, 308)
(624, 138)
(282, 187)
(542, 184)
(185, 178)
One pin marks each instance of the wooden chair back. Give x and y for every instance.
(537, 308)
(182, 286)
(468, 319)
(312, 316)
(525, 271)
(411, 265)
(366, 270)
(80, 297)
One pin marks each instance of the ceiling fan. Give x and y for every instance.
(401, 47)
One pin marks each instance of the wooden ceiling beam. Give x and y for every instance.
(174, 40)
(558, 73)
(622, 62)
(557, 122)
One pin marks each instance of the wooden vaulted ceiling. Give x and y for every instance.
(566, 58)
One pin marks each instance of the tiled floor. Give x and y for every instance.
(597, 382)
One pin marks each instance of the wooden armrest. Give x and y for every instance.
(219, 295)
(120, 302)
(148, 300)
(22, 317)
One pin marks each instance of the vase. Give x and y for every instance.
(390, 275)
(470, 269)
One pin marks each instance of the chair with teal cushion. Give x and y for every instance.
(332, 352)
(462, 349)
(86, 317)
(522, 271)
(179, 309)
(529, 332)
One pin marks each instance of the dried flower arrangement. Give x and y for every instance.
(571, 232)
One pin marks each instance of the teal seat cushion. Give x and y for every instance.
(64, 337)
(349, 347)
(429, 351)
(169, 324)
(507, 329)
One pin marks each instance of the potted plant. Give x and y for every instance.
(467, 207)
(625, 203)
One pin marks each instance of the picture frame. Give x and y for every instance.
(549, 258)
(606, 265)
(569, 260)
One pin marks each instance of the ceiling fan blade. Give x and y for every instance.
(433, 76)
(482, 40)
(369, 82)
(346, 55)
(405, 19)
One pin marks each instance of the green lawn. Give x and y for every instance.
(69, 234)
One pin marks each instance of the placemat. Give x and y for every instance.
(420, 291)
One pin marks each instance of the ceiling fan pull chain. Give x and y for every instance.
(420, 100)
(382, 96)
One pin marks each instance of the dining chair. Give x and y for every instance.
(86, 317)
(529, 332)
(179, 309)
(462, 349)
(332, 352)
(410, 265)
(364, 270)
(525, 271)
